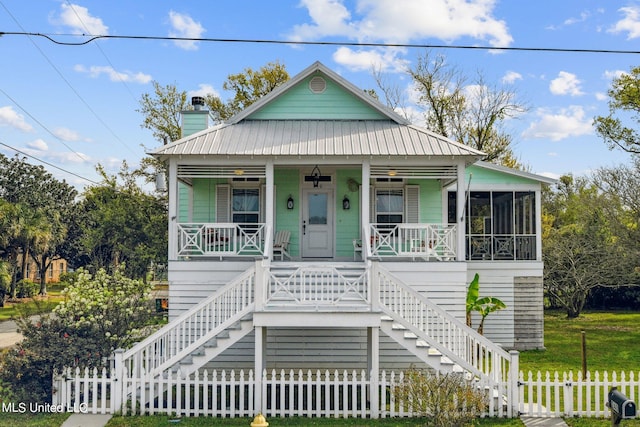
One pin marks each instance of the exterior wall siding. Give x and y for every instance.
(287, 182)
(300, 103)
(347, 221)
(483, 176)
(497, 280)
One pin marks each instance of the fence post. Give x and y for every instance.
(117, 381)
(514, 393)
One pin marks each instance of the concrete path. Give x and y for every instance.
(543, 422)
(9, 334)
(86, 420)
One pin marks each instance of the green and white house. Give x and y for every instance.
(379, 226)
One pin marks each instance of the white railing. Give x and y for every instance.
(195, 327)
(317, 286)
(465, 347)
(229, 394)
(221, 239)
(428, 241)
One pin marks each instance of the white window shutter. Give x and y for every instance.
(223, 205)
(412, 204)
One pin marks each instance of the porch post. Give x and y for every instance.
(538, 213)
(173, 210)
(260, 364)
(373, 365)
(461, 199)
(269, 202)
(364, 206)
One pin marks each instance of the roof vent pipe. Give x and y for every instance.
(197, 102)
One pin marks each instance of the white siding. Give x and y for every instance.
(497, 280)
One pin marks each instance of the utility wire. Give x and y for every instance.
(92, 37)
(49, 164)
(72, 7)
(86, 104)
(43, 126)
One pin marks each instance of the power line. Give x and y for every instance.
(49, 164)
(92, 38)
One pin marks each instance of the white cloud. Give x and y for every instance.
(79, 20)
(38, 144)
(9, 117)
(568, 122)
(566, 84)
(67, 134)
(58, 156)
(511, 77)
(184, 26)
(384, 60)
(601, 96)
(551, 175)
(399, 22)
(630, 24)
(614, 74)
(115, 76)
(203, 90)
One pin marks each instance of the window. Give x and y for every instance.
(389, 206)
(246, 205)
(500, 225)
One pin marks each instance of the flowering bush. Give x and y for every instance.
(100, 313)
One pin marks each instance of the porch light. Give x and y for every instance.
(290, 202)
(315, 176)
(346, 203)
(238, 172)
(392, 172)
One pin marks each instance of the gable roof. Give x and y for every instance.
(391, 135)
(515, 172)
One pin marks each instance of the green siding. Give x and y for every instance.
(194, 121)
(488, 176)
(287, 182)
(430, 200)
(347, 221)
(299, 103)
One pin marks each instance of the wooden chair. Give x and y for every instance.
(281, 244)
(357, 249)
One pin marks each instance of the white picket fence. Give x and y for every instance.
(568, 394)
(317, 393)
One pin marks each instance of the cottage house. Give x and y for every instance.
(320, 230)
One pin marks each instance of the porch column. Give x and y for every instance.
(260, 364)
(173, 210)
(461, 200)
(268, 215)
(364, 206)
(373, 366)
(538, 213)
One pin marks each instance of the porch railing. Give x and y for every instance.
(437, 241)
(221, 239)
(498, 247)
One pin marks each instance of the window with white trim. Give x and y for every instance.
(245, 205)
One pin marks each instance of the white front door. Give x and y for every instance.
(317, 223)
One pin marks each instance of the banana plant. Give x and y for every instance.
(483, 305)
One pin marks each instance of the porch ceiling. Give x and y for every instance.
(317, 138)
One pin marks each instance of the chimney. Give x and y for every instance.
(195, 120)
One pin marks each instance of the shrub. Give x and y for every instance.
(26, 288)
(100, 313)
(447, 400)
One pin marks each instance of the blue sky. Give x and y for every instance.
(75, 106)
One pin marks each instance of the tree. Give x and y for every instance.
(162, 109)
(471, 113)
(483, 305)
(121, 224)
(624, 99)
(41, 207)
(582, 248)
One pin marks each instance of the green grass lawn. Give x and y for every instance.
(33, 305)
(613, 343)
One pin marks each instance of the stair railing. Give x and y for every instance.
(442, 331)
(193, 328)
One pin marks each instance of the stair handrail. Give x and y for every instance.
(193, 328)
(464, 346)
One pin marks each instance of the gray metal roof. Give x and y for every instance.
(316, 138)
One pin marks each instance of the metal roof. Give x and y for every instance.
(316, 138)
